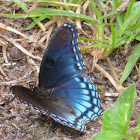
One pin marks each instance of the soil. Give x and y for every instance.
(20, 121)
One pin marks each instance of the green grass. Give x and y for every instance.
(131, 63)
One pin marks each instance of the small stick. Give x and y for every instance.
(21, 48)
(16, 126)
(119, 88)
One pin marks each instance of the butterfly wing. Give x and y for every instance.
(62, 60)
(83, 100)
(73, 103)
(63, 93)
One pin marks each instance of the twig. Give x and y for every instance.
(49, 23)
(13, 82)
(19, 33)
(119, 88)
(111, 94)
(16, 126)
(113, 72)
(8, 64)
(21, 48)
(4, 53)
(2, 72)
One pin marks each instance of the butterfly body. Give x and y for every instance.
(64, 92)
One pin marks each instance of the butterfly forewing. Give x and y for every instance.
(62, 60)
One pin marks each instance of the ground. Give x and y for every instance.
(20, 121)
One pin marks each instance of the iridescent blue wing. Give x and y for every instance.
(73, 103)
(62, 60)
(83, 103)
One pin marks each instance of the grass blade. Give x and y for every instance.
(43, 12)
(131, 62)
(23, 6)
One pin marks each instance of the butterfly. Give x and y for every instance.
(64, 92)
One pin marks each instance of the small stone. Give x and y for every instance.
(15, 54)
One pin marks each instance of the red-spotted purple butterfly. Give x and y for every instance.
(64, 92)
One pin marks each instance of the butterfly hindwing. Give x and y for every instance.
(62, 60)
(81, 95)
